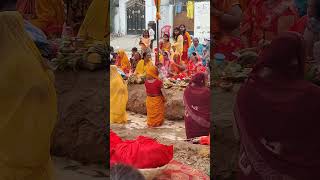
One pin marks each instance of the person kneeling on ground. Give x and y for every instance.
(124, 172)
(197, 107)
(155, 100)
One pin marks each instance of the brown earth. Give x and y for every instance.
(225, 146)
(174, 105)
(80, 133)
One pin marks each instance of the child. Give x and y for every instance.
(135, 58)
(155, 100)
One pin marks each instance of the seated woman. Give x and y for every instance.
(48, 15)
(145, 41)
(135, 58)
(177, 68)
(28, 106)
(123, 61)
(193, 64)
(155, 100)
(197, 101)
(143, 64)
(271, 18)
(96, 23)
(268, 113)
(118, 97)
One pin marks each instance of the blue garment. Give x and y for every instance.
(302, 7)
(179, 7)
(192, 49)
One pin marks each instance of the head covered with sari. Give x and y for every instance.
(152, 72)
(276, 114)
(197, 100)
(123, 60)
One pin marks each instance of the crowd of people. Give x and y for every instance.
(275, 98)
(180, 58)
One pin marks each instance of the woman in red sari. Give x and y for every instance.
(195, 65)
(186, 43)
(277, 115)
(197, 102)
(265, 19)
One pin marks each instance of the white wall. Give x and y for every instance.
(116, 22)
(123, 16)
(202, 20)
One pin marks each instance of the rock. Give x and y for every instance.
(80, 132)
(174, 105)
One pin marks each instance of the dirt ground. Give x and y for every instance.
(172, 132)
(225, 148)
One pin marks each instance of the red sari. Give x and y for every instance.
(197, 107)
(277, 115)
(261, 22)
(227, 45)
(300, 25)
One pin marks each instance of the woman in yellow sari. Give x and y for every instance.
(118, 97)
(143, 64)
(96, 23)
(155, 100)
(28, 106)
(123, 61)
(47, 15)
(177, 45)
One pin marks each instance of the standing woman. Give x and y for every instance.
(118, 97)
(28, 106)
(272, 107)
(177, 45)
(186, 43)
(145, 41)
(271, 18)
(155, 100)
(197, 102)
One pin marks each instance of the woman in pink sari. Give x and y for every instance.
(197, 107)
(277, 115)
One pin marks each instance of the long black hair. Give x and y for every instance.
(175, 37)
(124, 172)
(185, 29)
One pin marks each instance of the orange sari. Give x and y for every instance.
(155, 104)
(123, 61)
(265, 25)
(186, 45)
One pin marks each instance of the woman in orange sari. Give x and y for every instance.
(123, 61)
(186, 43)
(48, 15)
(177, 68)
(155, 100)
(271, 18)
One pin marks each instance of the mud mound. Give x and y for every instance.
(80, 133)
(174, 104)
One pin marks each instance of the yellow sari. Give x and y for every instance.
(28, 106)
(155, 104)
(141, 68)
(118, 97)
(96, 23)
(123, 61)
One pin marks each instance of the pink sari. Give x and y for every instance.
(197, 107)
(276, 113)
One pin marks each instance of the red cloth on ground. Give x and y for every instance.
(154, 87)
(197, 100)
(142, 153)
(114, 141)
(178, 171)
(300, 25)
(277, 114)
(205, 140)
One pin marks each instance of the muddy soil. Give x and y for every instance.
(172, 132)
(174, 101)
(80, 133)
(225, 148)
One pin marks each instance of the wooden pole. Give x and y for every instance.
(158, 47)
